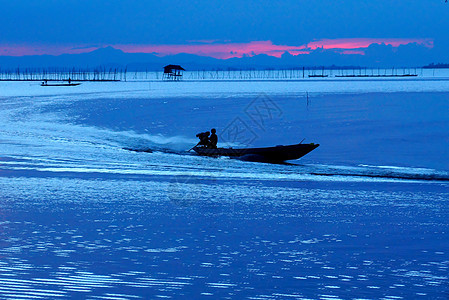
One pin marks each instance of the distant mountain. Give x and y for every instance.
(376, 55)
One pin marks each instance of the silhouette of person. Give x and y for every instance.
(204, 138)
(213, 139)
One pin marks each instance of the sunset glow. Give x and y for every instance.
(220, 50)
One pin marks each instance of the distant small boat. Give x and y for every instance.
(318, 76)
(377, 76)
(59, 84)
(271, 154)
(322, 75)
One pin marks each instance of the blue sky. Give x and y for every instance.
(65, 25)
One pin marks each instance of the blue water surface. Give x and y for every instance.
(364, 216)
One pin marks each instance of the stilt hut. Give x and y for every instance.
(173, 72)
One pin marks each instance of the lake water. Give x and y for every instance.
(364, 216)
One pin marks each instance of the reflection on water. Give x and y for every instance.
(115, 238)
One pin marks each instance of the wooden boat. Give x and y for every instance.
(376, 76)
(318, 76)
(271, 154)
(59, 84)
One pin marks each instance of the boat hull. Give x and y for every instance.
(60, 84)
(274, 154)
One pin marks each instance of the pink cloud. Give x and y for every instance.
(230, 50)
(221, 50)
(216, 50)
(357, 43)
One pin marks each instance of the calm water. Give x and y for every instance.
(363, 216)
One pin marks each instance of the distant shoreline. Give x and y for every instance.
(437, 66)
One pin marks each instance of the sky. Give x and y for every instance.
(220, 29)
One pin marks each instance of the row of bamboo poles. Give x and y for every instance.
(63, 74)
(122, 74)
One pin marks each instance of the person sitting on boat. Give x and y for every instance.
(204, 138)
(213, 139)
